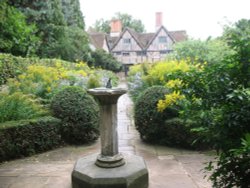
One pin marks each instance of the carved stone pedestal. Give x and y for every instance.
(109, 169)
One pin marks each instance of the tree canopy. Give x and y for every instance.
(16, 36)
(105, 60)
(126, 19)
(60, 25)
(238, 38)
(210, 50)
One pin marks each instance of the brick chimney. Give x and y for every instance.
(158, 20)
(116, 28)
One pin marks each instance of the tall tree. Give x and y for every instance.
(238, 38)
(16, 36)
(101, 58)
(58, 22)
(129, 21)
(72, 13)
(40, 12)
(210, 51)
(102, 25)
(126, 19)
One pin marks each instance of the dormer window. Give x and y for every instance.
(126, 41)
(162, 39)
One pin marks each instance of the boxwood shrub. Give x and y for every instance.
(165, 127)
(79, 113)
(148, 121)
(27, 137)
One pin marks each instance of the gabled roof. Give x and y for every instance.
(157, 33)
(144, 40)
(135, 36)
(97, 39)
(133, 33)
(179, 35)
(111, 41)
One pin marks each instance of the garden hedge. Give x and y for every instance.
(27, 137)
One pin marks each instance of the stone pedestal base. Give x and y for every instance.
(133, 174)
(110, 162)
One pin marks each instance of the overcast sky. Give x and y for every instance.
(200, 18)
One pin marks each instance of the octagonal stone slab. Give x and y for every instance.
(133, 174)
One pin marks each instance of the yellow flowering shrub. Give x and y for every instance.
(38, 80)
(43, 77)
(82, 65)
(170, 99)
(135, 69)
(176, 83)
(162, 72)
(169, 73)
(159, 72)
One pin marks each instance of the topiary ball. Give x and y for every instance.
(148, 121)
(79, 113)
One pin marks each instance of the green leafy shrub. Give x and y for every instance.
(148, 121)
(27, 137)
(16, 36)
(105, 75)
(93, 82)
(19, 106)
(222, 112)
(232, 169)
(10, 67)
(177, 132)
(104, 60)
(79, 113)
(13, 66)
(136, 84)
(44, 77)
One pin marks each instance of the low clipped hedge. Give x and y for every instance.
(27, 137)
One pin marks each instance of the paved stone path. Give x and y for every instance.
(168, 167)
